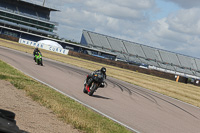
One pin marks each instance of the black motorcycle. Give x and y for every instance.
(95, 82)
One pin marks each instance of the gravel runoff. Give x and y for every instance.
(29, 115)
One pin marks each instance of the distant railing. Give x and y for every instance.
(28, 28)
(27, 15)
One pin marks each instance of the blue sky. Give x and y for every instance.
(172, 25)
(165, 8)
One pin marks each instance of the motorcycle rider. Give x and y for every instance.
(35, 52)
(89, 78)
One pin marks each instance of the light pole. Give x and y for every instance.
(43, 2)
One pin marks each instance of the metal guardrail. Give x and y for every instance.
(26, 27)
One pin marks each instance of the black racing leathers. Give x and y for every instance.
(89, 78)
(35, 53)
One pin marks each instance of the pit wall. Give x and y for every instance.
(131, 67)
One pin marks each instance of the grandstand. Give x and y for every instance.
(20, 19)
(132, 52)
(26, 20)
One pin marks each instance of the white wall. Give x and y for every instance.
(44, 46)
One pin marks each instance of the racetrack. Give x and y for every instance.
(136, 107)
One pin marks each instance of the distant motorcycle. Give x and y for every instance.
(97, 81)
(38, 59)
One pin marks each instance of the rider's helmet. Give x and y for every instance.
(36, 48)
(103, 70)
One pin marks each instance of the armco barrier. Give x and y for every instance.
(127, 66)
(101, 60)
(44, 46)
(11, 38)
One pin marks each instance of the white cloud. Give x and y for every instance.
(140, 5)
(179, 32)
(117, 10)
(131, 20)
(186, 3)
(106, 16)
(186, 21)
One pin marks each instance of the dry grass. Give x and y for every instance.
(184, 92)
(66, 109)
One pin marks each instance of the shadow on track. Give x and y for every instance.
(97, 96)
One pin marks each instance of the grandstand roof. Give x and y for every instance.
(32, 4)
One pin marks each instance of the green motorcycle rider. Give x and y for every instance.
(37, 56)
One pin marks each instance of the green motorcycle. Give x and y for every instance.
(38, 58)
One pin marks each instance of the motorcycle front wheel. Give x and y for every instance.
(84, 90)
(41, 63)
(93, 87)
(37, 62)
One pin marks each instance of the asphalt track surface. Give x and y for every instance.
(140, 109)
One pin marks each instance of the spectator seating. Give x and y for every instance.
(134, 52)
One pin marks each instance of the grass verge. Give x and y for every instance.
(185, 92)
(65, 108)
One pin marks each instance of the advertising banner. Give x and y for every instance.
(44, 46)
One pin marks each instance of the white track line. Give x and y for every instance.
(94, 108)
(81, 102)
